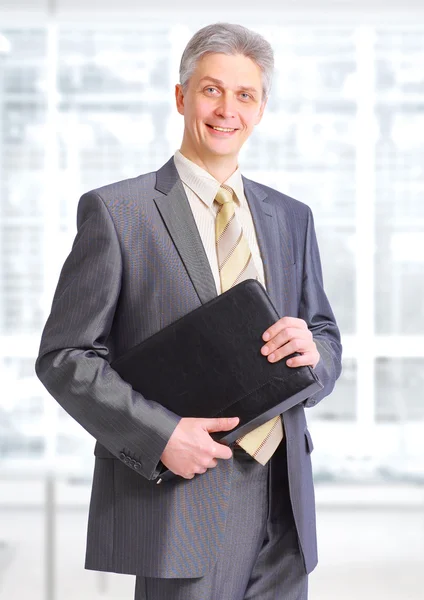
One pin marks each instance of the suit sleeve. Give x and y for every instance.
(73, 358)
(316, 311)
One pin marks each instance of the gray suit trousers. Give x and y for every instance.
(260, 558)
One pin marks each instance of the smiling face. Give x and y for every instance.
(221, 105)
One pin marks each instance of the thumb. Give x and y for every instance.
(221, 424)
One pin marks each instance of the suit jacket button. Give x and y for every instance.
(122, 455)
(137, 466)
(127, 460)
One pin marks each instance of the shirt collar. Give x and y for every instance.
(202, 183)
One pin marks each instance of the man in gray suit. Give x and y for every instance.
(228, 528)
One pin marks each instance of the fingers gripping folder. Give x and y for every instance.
(208, 364)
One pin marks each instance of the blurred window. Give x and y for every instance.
(82, 106)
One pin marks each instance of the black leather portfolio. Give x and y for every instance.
(209, 364)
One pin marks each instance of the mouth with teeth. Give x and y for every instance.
(222, 130)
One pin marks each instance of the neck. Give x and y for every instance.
(221, 168)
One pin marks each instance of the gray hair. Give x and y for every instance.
(225, 38)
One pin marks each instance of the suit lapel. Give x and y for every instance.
(270, 234)
(176, 213)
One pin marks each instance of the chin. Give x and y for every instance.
(223, 150)
(223, 153)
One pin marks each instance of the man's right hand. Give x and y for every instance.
(191, 449)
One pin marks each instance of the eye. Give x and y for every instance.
(211, 90)
(245, 96)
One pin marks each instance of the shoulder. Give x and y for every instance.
(119, 199)
(126, 188)
(289, 205)
(116, 201)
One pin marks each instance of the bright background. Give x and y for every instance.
(86, 98)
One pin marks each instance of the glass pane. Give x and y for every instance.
(116, 98)
(21, 263)
(400, 418)
(22, 150)
(341, 404)
(337, 249)
(399, 255)
(399, 390)
(21, 410)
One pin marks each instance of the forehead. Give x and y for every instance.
(233, 70)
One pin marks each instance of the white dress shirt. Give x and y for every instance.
(201, 188)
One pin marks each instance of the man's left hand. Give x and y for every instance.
(289, 335)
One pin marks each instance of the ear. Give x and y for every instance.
(261, 111)
(179, 98)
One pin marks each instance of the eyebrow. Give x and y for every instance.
(221, 83)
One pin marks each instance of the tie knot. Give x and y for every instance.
(224, 195)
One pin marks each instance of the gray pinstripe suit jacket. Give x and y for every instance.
(136, 265)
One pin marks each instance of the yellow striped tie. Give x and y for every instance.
(235, 264)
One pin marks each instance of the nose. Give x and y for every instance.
(226, 106)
